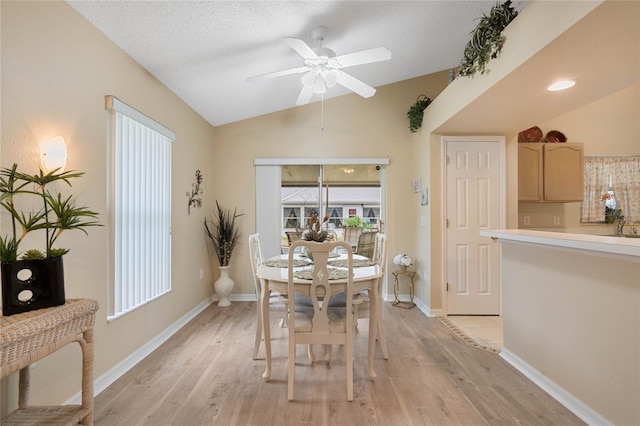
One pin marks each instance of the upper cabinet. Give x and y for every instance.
(552, 172)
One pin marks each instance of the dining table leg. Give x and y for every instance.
(373, 327)
(266, 329)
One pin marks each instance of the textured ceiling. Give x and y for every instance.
(204, 50)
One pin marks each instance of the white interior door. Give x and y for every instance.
(474, 201)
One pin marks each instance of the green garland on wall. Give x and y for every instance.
(486, 40)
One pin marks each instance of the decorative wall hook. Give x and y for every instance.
(196, 191)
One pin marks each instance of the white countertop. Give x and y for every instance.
(597, 243)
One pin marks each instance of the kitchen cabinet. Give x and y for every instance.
(551, 172)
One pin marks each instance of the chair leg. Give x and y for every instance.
(383, 340)
(312, 355)
(328, 353)
(256, 346)
(349, 356)
(291, 365)
(285, 316)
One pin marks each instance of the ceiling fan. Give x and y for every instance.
(323, 69)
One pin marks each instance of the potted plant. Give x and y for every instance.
(224, 236)
(314, 231)
(416, 112)
(34, 279)
(486, 39)
(403, 261)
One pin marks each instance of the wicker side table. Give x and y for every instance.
(30, 336)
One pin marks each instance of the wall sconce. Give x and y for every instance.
(53, 155)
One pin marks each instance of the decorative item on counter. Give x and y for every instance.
(533, 134)
(555, 136)
(611, 212)
(194, 199)
(403, 261)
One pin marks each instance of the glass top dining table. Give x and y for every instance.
(274, 276)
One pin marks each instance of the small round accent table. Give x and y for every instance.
(396, 285)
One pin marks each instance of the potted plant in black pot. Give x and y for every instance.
(34, 279)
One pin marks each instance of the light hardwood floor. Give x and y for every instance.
(204, 375)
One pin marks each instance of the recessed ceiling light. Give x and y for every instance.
(561, 85)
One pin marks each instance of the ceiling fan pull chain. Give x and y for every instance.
(322, 111)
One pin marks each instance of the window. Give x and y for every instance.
(140, 203)
(292, 217)
(611, 188)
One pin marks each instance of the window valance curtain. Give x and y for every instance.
(619, 174)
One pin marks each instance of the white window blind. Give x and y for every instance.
(141, 208)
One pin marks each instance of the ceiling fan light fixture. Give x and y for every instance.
(330, 78)
(319, 87)
(309, 78)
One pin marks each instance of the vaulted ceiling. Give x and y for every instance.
(204, 50)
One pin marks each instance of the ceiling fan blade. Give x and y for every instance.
(355, 85)
(301, 47)
(298, 70)
(305, 95)
(368, 56)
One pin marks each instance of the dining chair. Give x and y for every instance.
(366, 244)
(277, 302)
(351, 235)
(293, 236)
(361, 300)
(364, 304)
(321, 323)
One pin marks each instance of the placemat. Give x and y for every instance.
(357, 263)
(284, 263)
(331, 254)
(334, 274)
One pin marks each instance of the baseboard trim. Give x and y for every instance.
(577, 407)
(104, 381)
(427, 310)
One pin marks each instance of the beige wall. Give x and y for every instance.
(575, 321)
(56, 70)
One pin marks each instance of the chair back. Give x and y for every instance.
(293, 236)
(366, 244)
(380, 250)
(255, 254)
(320, 277)
(321, 323)
(351, 235)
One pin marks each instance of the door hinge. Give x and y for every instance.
(447, 287)
(447, 223)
